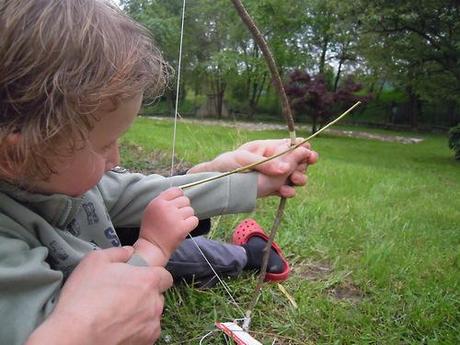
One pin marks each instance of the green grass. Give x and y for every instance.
(374, 241)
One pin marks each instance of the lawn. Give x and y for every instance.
(374, 242)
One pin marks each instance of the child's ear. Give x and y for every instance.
(8, 146)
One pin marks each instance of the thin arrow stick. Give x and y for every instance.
(249, 167)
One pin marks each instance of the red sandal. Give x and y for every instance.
(249, 228)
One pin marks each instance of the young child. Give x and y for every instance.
(72, 77)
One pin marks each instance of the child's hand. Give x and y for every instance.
(166, 222)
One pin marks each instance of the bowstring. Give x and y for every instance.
(176, 113)
(176, 106)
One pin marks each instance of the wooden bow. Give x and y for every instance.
(287, 113)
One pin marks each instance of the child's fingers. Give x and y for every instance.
(190, 223)
(172, 193)
(181, 201)
(186, 212)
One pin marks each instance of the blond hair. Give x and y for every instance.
(60, 61)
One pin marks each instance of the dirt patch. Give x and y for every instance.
(372, 136)
(135, 159)
(323, 272)
(347, 291)
(313, 271)
(259, 126)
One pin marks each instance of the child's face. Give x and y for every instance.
(84, 168)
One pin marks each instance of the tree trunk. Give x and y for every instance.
(322, 60)
(195, 98)
(414, 107)
(452, 113)
(337, 76)
(256, 91)
(252, 105)
(171, 101)
(262, 85)
(220, 88)
(343, 58)
(314, 123)
(380, 89)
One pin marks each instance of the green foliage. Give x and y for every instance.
(454, 140)
(392, 96)
(165, 108)
(379, 110)
(414, 48)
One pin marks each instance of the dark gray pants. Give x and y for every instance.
(188, 264)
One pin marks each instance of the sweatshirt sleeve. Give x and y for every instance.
(29, 288)
(126, 194)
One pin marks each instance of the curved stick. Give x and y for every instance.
(287, 113)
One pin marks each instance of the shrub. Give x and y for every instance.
(454, 140)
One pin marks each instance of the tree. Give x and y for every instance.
(310, 95)
(416, 46)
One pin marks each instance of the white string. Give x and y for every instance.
(205, 336)
(176, 107)
(226, 287)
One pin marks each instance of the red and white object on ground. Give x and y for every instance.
(237, 334)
